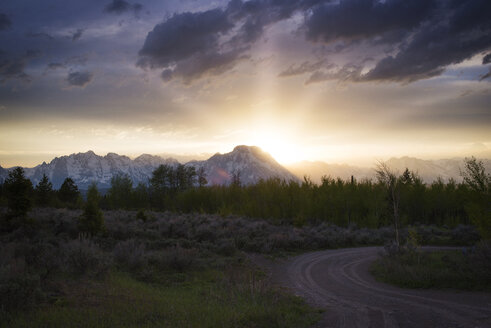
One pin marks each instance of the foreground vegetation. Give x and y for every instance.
(466, 269)
(166, 271)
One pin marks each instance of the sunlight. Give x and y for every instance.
(278, 143)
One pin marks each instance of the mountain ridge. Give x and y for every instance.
(250, 162)
(428, 170)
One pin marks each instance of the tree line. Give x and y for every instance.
(392, 199)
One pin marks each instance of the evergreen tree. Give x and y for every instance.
(120, 192)
(202, 181)
(92, 220)
(68, 192)
(18, 189)
(44, 191)
(235, 181)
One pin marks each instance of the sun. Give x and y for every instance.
(277, 142)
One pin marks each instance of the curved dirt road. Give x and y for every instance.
(338, 281)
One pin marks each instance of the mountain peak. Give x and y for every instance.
(244, 148)
(251, 162)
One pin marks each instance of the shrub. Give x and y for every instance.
(178, 258)
(130, 254)
(19, 288)
(140, 215)
(83, 256)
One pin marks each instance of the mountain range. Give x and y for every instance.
(428, 170)
(249, 162)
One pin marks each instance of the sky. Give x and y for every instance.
(337, 81)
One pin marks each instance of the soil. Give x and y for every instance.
(339, 282)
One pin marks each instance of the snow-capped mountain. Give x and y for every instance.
(316, 170)
(251, 163)
(428, 170)
(85, 168)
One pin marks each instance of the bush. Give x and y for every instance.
(19, 288)
(83, 256)
(178, 258)
(130, 254)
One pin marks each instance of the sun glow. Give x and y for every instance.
(280, 144)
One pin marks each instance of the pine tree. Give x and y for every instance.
(201, 177)
(18, 189)
(68, 192)
(44, 191)
(120, 192)
(92, 220)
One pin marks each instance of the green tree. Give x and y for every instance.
(161, 183)
(479, 206)
(235, 179)
(18, 190)
(475, 175)
(44, 191)
(201, 174)
(121, 191)
(92, 220)
(68, 192)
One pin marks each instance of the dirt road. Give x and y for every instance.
(338, 281)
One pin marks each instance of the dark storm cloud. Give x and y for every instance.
(39, 35)
(360, 19)
(191, 45)
(55, 65)
(5, 22)
(486, 59)
(79, 79)
(120, 7)
(432, 35)
(77, 34)
(187, 45)
(14, 67)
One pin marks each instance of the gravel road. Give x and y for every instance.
(338, 281)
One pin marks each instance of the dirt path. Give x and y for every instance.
(338, 281)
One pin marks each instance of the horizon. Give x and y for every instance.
(196, 77)
(186, 158)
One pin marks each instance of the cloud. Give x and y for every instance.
(119, 7)
(305, 67)
(5, 22)
(406, 40)
(77, 34)
(486, 59)
(361, 19)
(430, 35)
(486, 76)
(55, 65)
(192, 45)
(187, 45)
(79, 79)
(39, 35)
(13, 67)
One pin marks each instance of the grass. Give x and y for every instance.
(448, 269)
(201, 299)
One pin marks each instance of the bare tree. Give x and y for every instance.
(389, 179)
